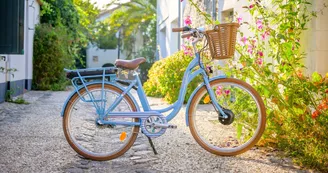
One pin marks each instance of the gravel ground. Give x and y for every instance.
(32, 140)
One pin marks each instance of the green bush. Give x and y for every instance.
(165, 77)
(51, 56)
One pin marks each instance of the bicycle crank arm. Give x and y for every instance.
(165, 125)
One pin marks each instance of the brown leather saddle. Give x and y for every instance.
(129, 64)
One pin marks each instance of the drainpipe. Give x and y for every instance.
(26, 49)
(179, 24)
(214, 9)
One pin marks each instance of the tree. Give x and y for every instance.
(134, 16)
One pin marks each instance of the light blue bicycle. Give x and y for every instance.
(101, 118)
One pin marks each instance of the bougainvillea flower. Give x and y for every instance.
(260, 53)
(227, 92)
(259, 61)
(239, 19)
(243, 40)
(250, 49)
(218, 90)
(265, 35)
(259, 24)
(188, 21)
(253, 41)
(187, 50)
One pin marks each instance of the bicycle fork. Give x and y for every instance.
(215, 104)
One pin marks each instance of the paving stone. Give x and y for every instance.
(140, 147)
(144, 152)
(135, 158)
(144, 160)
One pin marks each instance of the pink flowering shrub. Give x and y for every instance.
(272, 62)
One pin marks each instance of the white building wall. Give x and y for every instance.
(167, 18)
(104, 56)
(24, 63)
(316, 41)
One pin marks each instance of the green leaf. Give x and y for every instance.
(239, 130)
(217, 22)
(316, 77)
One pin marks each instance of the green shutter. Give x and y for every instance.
(11, 26)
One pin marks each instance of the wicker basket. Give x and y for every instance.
(222, 40)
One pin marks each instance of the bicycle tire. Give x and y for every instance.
(82, 150)
(217, 147)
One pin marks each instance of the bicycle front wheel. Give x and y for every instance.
(236, 133)
(91, 139)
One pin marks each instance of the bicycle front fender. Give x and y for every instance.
(195, 91)
(99, 82)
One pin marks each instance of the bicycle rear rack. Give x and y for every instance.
(80, 78)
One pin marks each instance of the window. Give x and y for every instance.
(227, 16)
(12, 26)
(95, 58)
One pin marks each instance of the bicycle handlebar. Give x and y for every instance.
(189, 31)
(186, 35)
(183, 29)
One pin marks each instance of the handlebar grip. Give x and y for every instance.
(186, 35)
(177, 29)
(186, 28)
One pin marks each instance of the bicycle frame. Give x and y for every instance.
(188, 76)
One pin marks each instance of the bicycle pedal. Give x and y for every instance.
(172, 126)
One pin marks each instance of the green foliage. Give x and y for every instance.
(149, 48)
(132, 17)
(79, 19)
(271, 60)
(9, 98)
(51, 56)
(61, 12)
(166, 75)
(295, 121)
(105, 37)
(88, 14)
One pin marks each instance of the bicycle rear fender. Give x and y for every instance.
(194, 93)
(99, 82)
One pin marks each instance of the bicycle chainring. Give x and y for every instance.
(148, 126)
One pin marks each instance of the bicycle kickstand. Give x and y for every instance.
(152, 145)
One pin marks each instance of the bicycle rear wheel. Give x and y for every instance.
(236, 133)
(90, 139)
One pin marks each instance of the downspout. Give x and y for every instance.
(179, 24)
(214, 10)
(26, 50)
